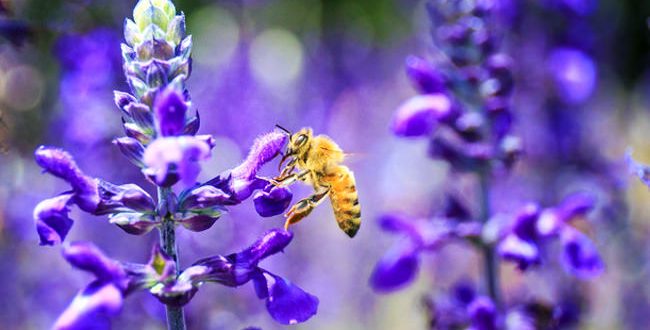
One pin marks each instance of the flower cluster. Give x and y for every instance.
(464, 308)
(463, 105)
(161, 139)
(464, 109)
(115, 280)
(532, 227)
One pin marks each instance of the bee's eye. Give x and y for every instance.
(301, 139)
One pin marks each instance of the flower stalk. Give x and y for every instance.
(167, 231)
(490, 261)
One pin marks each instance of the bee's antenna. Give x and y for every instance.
(282, 128)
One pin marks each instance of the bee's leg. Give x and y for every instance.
(305, 206)
(286, 171)
(289, 179)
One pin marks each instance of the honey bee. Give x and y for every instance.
(318, 161)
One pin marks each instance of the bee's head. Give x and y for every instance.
(299, 141)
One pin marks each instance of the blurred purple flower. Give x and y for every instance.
(426, 78)
(483, 314)
(532, 227)
(638, 169)
(580, 257)
(463, 308)
(521, 245)
(399, 266)
(574, 74)
(419, 115)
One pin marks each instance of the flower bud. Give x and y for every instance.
(426, 78)
(420, 114)
(170, 109)
(131, 148)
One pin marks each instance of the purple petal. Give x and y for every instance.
(87, 257)
(272, 242)
(170, 108)
(135, 198)
(524, 252)
(222, 270)
(464, 292)
(238, 268)
(134, 223)
(92, 308)
(52, 221)
(575, 205)
(123, 198)
(204, 197)
(419, 115)
(131, 148)
(61, 164)
(396, 269)
(394, 222)
(171, 159)
(525, 223)
(272, 200)
(287, 303)
(552, 220)
(123, 99)
(580, 257)
(264, 149)
(426, 78)
(483, 314)
(198, 222)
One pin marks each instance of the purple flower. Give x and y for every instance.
(532, 227)
(552, 220)
(92, 308)
(399, 266)
(521, 245)
(172, 159)
(419, 115)
(240, 183)
(264, 149)
(272, 200)
(102, 299)
(170, 109)
(483, 314)
(463, 308)
(285, 302)
(61, 164)
(52, 221)
(580, 257)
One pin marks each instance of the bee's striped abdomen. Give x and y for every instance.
(344, 198)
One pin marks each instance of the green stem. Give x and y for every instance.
(167, 231)
(491, 265)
